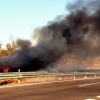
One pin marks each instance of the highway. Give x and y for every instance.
(88, 89)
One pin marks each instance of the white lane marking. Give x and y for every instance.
(98, 96)
(89, 99)
(89, 84)
(47, 82)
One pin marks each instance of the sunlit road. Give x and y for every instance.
(70, 90)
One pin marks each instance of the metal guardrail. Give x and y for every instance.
(31, 74)
(19, 75)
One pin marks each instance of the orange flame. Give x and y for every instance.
(5, 70)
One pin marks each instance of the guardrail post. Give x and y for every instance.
(85, 76)
(75, 72)
(18, 80)
(18, 71)
(60, 78)
(74, 77)
(42, 79)
(95, 75)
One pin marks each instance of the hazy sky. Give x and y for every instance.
(18, 18)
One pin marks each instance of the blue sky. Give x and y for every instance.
(18, 18)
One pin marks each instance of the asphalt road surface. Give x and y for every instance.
(70, 90)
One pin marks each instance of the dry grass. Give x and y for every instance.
(38, 80)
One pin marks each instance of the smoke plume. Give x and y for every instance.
(77, 35)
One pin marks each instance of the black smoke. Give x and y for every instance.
(77, 34)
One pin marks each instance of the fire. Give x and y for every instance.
(71, 62)
(88, 68)
(5, 70)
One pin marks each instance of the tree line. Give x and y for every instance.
(8, 50)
